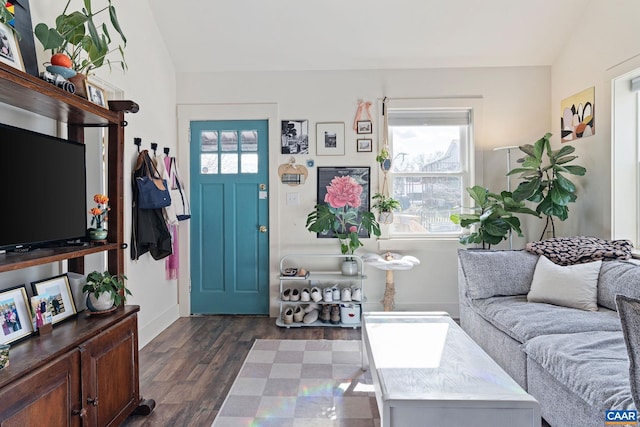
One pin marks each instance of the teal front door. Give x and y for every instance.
(229, 217)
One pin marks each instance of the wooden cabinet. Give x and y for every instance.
(84, 373)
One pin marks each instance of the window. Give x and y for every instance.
(430, 168)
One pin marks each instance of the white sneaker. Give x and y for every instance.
(336, 293)
(295, 295)
(328, 294)
(310, 317)
(346, 294)
(356, 294)
(316, 295)
(286, 294)
(287, 316)
(305, 295)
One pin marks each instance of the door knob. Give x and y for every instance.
(263, 228)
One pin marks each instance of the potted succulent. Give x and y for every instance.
(492, 216)
(544, 182)
(105, 291)
(79, 45)
(385, 205)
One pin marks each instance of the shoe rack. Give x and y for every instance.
(325, 277)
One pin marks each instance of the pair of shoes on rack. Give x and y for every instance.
(291, 295)
(296, 314)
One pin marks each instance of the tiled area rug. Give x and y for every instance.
(301, 383)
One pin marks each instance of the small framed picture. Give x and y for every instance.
(9, 51)
(364, 126)
(365, 144)
(295, 136)
(15, 316)
(96, 94)
(56, 294)
(330, 139)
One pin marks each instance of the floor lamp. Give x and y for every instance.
(509, 148)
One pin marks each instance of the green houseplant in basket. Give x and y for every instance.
(105, 290)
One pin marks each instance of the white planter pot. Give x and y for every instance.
(349, 267)
(102, 303)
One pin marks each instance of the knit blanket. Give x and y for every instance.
(581, 249)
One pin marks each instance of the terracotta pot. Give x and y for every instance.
(79, 82)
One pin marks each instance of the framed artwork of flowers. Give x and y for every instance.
(345, 190)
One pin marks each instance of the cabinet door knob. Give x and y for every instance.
(81, 413)
(93, 401)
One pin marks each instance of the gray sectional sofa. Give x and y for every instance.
(573, 362)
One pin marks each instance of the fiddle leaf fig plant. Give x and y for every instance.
(543, 173)
(492, 217)
(77, 35)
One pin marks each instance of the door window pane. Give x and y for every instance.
(208, 163)
(209, 141)
(228, 141)
(229, 162)
(249, 163)
(249, 140)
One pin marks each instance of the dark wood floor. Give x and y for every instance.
(189, 368)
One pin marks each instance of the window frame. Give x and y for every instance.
(467, 153)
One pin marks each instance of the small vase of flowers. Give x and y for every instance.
(99, 217)
(340, 216)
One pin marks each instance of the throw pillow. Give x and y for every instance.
(574, 286)
(629, 312)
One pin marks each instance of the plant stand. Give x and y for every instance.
(390, 262)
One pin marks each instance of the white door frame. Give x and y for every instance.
(191, 112)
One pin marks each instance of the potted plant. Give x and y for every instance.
(493, 217)
(545, 183)
(105, 290)
(341, 216)
(85, 45)
(99, 217)
(385, 205)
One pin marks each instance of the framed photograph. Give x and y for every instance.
(56, 294)
(330, 139)
(364, 126)
(365, 145)
(362, 176)
(295, 136)
(96, 94)
(15, 316)
(9, 51)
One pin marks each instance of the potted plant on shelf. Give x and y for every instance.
(492, 216)
(385, 205)
(340, 216)
(99, 217)
(545, 183)
(79, 45)
(105, 291)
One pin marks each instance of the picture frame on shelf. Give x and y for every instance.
(15, 315)
(57, 293)
(364, 127)
(330, 139)
(9, 49)
(365, 145)
(22, 23)
(362, 175)
(96, 94)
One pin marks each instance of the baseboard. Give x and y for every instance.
(156, 325)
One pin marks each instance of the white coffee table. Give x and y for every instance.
(428, 372)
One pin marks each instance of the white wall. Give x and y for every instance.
(515, 104)
(150, 81)
(602, 48)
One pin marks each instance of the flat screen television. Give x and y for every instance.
(43, 189)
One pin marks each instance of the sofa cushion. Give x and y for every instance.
(629, 310)
(573, 286)
(592, 365)
(523, 320)
(496, 273)
(618, 277)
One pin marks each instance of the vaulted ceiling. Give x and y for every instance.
(237, 35)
